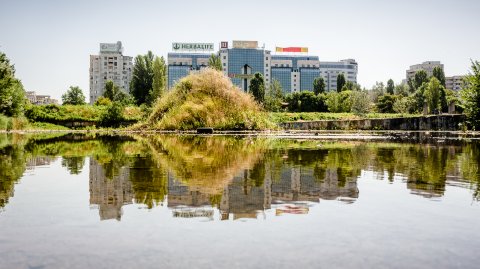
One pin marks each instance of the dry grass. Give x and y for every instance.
(207, 99)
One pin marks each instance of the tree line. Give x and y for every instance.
(422, 94)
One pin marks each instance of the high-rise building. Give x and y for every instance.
(329, 71)
(243, 59)
(426, 66)
(112, 65)
(454, 83)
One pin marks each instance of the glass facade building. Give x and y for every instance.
(243, 59)
(181, 64)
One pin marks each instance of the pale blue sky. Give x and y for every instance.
(50, 41)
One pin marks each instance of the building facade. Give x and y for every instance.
(112, 65)
(36, 99)
(454, 83)
(329, 71)
(242, 59)
(427, 66)
(181, 64)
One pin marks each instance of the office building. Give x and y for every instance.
(181, 64)
(241, 60)
(329, 71)
(112, 65)
(426, 66)
(454, 83)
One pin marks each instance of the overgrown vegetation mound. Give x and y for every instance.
(207, 99)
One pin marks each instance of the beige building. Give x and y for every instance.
(112, 65)
(426, 66)
(36, 99)
(454, 83)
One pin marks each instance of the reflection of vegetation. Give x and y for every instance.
(208, 164)
(205, 163)
(12, 166)
(73, 164)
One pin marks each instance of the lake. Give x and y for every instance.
(239, 201)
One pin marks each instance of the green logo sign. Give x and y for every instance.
(192, 46)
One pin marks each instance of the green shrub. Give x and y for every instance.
(113, 116)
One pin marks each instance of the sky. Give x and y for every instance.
(49, 42)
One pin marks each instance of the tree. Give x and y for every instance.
(401, 89)
(142, 78)
(439, 74)
(360, 102)
(306, 101)
(385, 103)
(471, 96)
(74, 96)
(318, 85)
(402, 105)
(115, 94)
(257, 88)
(113, 117)
(111, 90)
(390, 86)
(274, 96)
(377, 90)
(159, 82)
(350, 86)
(12, 94)
(340, 82)
(420, 78)
(215, 62)
(433, 91)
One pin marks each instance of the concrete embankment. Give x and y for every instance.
(449, 122)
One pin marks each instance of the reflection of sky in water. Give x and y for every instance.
(299, 215)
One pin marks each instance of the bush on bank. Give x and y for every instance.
(207, 99)
(69, 113)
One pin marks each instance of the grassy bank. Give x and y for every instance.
(68, 113)
(279, 117)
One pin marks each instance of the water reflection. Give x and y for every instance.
(237, 177)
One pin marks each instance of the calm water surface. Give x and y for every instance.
(165, 201)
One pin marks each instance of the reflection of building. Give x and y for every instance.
(110, 194)
(243, 199)
(38, 161)
(181, 195)
(300, 184)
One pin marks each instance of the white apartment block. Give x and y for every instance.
(330, 70)
(454, 83)
(112, 65)
(426, 66)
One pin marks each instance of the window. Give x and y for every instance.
(224, 64)
(224, 57)
(266, 65)
(266, 58)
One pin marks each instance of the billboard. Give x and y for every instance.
(241, 44)
(224, 45)
(111, 47)
(176, 46)
(291, 49)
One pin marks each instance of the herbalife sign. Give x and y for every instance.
(192, 46)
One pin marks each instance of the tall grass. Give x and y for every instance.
(207, 99)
